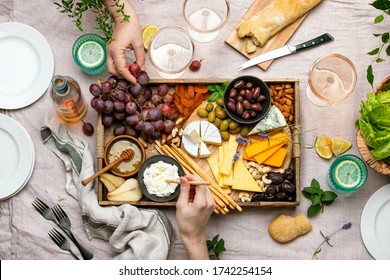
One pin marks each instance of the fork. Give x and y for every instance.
(61, 241)
(64, 222)
(49, 214)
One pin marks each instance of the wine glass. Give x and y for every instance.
(205, 18)
(170, 52)
(331, 78)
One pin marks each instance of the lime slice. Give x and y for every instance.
(90, 54)
(347, 174)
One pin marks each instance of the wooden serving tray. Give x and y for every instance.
(277, 41)
(104, 135)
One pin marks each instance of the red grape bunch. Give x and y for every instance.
(135, 110)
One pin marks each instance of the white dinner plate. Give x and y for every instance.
(375, 224)
(17, 157)
(26, 65)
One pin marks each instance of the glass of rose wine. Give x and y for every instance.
(205, 18)
(170, 52)
(331, 78)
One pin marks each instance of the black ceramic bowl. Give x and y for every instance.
(265, 104)
(145, 165)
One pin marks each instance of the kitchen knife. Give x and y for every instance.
(286, 50)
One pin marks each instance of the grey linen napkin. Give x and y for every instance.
(135, 233)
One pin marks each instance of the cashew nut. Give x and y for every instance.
(280, 170)
(266, 180)
(266, 169)
(255, 174)
(252, 164)
(244, 197)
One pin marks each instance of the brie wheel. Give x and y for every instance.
(196, 135)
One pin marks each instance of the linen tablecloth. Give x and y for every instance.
(23, 233)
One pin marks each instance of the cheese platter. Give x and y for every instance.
(203, 145)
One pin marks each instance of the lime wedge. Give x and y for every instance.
(90, 54)
(347, 174)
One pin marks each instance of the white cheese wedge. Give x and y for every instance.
(196, 135)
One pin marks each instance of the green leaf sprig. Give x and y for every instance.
(75, 9)
(319, 198)
(215, 246)
(217, 91)
(384, 6)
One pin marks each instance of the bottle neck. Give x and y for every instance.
(59, 84)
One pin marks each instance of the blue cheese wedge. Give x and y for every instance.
(273, 120)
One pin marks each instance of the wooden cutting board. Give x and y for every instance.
(277, 41)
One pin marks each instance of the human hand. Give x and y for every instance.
(127, 36)
(193, 210)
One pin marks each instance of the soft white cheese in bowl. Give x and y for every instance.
(155, 176)
(152, 175)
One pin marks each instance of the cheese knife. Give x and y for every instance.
(286, 50)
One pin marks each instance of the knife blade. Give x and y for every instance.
(286, 50)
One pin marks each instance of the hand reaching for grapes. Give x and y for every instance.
(127, 36)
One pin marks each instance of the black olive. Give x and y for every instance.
(287, 186)
(281, 196)
(271, 190)
(289, 174)
(275, 177)
(260, 196)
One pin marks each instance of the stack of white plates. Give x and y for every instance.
(17, 157)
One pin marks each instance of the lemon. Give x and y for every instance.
(347, 174)
(90, 54)
(340, 145)
(148, 33)
(323, 146)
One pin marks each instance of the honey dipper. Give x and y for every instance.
(125, 155)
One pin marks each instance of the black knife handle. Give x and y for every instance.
(314, 42)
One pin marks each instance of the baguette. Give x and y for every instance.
(261, 26)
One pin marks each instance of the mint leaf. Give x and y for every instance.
(313, 210)
(328, 196)
(315, 199)
(315, 186)
(379, 19)
(306, 194)
(308, 190)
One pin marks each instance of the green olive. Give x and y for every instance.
(225, 135)
(217, 122)
(233, 124)
(244, 131)
(218, 108)
(221, 114)
(224, 125)
(209, 107)
(235, 130)
(211, 117)
(202, 112)
(219, 101)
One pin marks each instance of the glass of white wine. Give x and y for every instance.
(170, 52)
(205, 18)
(331, 78)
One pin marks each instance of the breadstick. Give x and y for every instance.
(206, 177)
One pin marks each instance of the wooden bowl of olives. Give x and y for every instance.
(247, 99)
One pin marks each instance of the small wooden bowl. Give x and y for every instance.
(377, 165)
(114, 149)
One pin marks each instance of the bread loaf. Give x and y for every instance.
(273, 18)
(285, 228)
